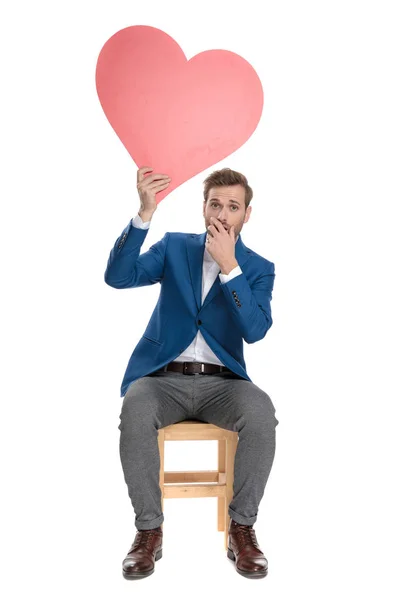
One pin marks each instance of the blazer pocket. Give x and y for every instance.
(156, 342)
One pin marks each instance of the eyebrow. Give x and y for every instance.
(217, 200)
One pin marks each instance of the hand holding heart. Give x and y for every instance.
(148, 186)
(221, 244)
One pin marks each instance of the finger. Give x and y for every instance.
(218, 226)
(148, 185)
(157, 188)
(161, 177)
(158, 183)
(215, 230)
(141, 173)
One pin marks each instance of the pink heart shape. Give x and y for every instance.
(177, 116)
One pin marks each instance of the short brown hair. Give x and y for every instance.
(227, 177)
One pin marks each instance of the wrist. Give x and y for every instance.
(228, 266)
(145, 215)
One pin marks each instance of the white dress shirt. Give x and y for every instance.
(199, 350)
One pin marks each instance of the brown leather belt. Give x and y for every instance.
(190, 368)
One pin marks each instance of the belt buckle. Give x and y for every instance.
(185, 368)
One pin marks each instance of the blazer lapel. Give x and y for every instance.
(195, 244)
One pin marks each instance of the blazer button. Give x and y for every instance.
(199, 322)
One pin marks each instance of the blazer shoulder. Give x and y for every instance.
(270, 265)
(180, 237)
(263, 262)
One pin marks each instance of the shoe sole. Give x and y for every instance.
(249, 574)
(141, 574)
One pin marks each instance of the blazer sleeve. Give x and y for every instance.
(251, 306)
(127, 268)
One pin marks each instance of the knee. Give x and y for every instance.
(261, 417)
(273, 421)
(136, 414)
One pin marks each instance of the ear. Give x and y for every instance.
(248, 213)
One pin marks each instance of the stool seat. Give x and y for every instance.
(201, 484)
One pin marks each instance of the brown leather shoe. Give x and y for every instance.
(145, 550)
(244, 550)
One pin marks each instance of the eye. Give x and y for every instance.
(216, 204)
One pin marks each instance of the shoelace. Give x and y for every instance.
(246, 535)
(145, 537)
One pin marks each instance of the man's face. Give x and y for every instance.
(226, 204)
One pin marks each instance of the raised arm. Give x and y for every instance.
(126, 267)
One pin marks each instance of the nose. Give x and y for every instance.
(222, 220)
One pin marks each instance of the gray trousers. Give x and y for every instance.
(223, 399)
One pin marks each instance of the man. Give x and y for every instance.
(215, 293)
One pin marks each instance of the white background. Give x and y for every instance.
(324, 166)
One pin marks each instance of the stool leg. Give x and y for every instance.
(231, 445)
(221, 469)
(161, 444)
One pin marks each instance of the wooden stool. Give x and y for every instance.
(190, 484)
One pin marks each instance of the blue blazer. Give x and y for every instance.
(232, 312)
